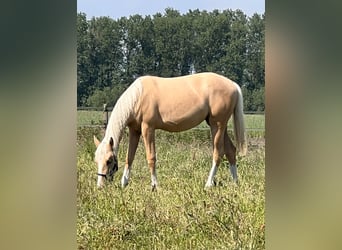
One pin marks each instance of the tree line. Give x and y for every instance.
(111, 54)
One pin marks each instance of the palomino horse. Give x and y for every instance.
(172, 104)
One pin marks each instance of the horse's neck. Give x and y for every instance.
(116, 126)
(122, 112)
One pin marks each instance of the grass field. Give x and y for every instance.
(181, 214)
(85, 117)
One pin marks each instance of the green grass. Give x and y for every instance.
(181, 214)
(85, 117)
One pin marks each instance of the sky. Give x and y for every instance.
(117, 9)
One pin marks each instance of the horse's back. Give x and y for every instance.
(180, 103)
(203, 84)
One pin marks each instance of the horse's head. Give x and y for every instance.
(106, 160)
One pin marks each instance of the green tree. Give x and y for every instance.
(254, 99)
(168, 42)
(111, 54)
(106, 95)
(254, 75)
(138, 46)
(82, 59)
(105, 52)
(233, 61)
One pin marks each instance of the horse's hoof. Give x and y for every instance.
(154, 188)
(209, 185)
(124, 184)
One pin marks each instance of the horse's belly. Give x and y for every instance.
(177, 127)
(180, 114)
(182, 122)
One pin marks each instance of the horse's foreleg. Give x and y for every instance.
(218, 141)
(230, 151)
(149, 140)
(132, 147)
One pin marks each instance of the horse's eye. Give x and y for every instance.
(109, 161)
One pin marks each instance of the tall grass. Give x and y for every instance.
(181, 214)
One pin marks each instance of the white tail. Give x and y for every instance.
(239, 125)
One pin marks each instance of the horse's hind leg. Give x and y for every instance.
(230, 152)
(218, 152)
(134, 137)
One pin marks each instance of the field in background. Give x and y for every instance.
(181, 214)
(86, 117)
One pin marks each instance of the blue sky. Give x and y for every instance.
(117, 9)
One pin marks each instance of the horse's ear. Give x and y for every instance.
(96, 141)
(111, 142)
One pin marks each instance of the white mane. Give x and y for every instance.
(121, 113)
